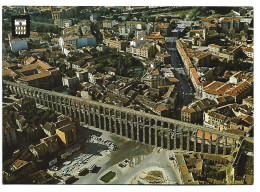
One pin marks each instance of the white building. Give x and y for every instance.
(136, 43)
(65, 23)
(125, 31)
(67, 48)
(81, 75)
(78, 41)
(109, 23)
(68, 40)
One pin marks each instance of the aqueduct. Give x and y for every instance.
(142, 127)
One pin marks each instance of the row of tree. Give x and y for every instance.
(43, 28)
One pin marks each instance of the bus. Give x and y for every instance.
(69, 179)
(83, 171)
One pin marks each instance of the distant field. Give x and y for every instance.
(183, 12)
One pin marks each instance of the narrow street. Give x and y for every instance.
(186, 90)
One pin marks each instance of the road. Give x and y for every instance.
(187, 93)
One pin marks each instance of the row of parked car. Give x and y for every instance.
(109, 144)
(80, 159)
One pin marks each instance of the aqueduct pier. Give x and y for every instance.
(142, 127)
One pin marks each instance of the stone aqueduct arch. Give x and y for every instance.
(150, 129)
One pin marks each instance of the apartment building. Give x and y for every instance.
(120, 45)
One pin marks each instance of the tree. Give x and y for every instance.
(151, 19)
(8, 78)
(46, 37)
(70, 73)
(119, 19)
(73, 91)
(45, 29)
(104, 63)
(159, 19)
(120, 66)
(182, 15)
(131, 35)
(129, 17)
(118, 11)
(194, 12)
(6, 25)
(115, 17)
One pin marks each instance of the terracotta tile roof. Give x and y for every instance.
(42, 64)
(250, 79)
(27, 68)
(187, 109)
(229, 19)
(153, 36)
(35, 76)
(214, 45)
(137, 22)
(34, 33)
(9, 72)
(223, 88)
(249, 120)
(196, 31)
(161, 107)
(195, 76)
(69, 47)
(214, 85)
(244, 76)
(72, 28)
(225, 20)
(221, 99)
(248, 49)
(239, 88)
(7, 64)
(163, 25)
(71, 38)
(163, 55)
(208, 19)
(55, 39)
(30, 60)
(37, 50)
(173, 80)
(19, 163)
(203, 55)
(232, 48)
